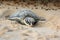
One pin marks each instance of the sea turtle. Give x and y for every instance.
(26, 17)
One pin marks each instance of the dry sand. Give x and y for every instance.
(11, 30)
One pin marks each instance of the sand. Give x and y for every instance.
(11, 30)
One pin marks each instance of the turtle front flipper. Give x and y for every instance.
(19, 20)
(42, 19)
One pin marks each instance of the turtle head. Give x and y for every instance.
(29, 21)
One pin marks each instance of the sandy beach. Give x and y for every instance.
(11, 30)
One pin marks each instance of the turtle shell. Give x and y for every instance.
(22, 14)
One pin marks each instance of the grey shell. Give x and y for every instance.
(23, 14)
